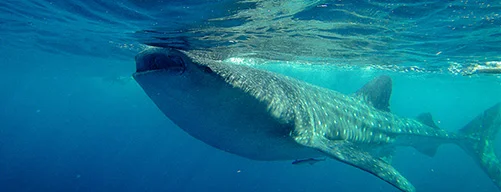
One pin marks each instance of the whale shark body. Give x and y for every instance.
(262, 115)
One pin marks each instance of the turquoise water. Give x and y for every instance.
(74, 120)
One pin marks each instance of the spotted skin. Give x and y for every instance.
(266, 116)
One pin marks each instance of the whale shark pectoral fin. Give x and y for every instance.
(346, 152)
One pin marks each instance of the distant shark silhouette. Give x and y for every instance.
(266, 116)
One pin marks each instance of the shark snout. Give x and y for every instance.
(159, 60)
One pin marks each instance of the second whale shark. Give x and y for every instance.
(262, 115)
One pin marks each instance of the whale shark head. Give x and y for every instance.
(230, 107)
(182, 88)
(170, 76)
(165, 60)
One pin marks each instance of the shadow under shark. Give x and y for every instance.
(266, 116)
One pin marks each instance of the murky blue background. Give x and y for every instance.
(72, 119)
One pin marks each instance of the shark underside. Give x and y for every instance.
(266, 116)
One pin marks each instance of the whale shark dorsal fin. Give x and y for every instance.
(427, 119)
(377, 92)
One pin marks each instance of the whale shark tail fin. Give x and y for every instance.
(480, 134)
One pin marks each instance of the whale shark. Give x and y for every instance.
(261, 115)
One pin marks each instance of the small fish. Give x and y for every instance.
(310, 161)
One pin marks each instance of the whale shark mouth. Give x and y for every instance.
(160, 62)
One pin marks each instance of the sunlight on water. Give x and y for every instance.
(426, 36)
(488, 68)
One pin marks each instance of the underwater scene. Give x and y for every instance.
(250, 95)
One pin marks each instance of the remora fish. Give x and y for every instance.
(310, 161)
(266, 116)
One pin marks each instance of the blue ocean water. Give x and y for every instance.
(72, 119)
